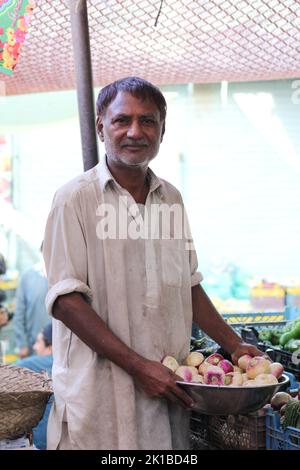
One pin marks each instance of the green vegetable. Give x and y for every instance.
(276, 337)
(285, 338)
(292, 414)
(292, 345)
(290, 325)
(265, 335)
(270, 336)
(294, 333)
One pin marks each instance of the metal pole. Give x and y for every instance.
(84, 82)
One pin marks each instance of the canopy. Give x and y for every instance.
(193, 41)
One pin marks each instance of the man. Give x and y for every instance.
(5, 315)
(122, 301)
(41, 361)
(31, 314)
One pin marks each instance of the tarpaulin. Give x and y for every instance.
(14, 21)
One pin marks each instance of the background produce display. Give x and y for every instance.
(286, 338)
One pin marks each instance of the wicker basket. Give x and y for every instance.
(23, 398)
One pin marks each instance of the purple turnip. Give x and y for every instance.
(198, 379)
(170, 362)
(258, 365)
(195, 358)
(234, 379)
(214, 359)
(203, 367)
(265, 379)
(276, 369)
(226, 366)
(244, 361)
(214, 376)
(184, 373)
(280, 399)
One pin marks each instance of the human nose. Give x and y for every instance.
(134, 130)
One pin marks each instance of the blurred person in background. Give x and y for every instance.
(41, 361)
(30, 315)
(5, 316)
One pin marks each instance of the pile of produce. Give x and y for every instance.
(289, 409)
(287, 338)
(215, 370)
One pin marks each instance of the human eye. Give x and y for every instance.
(148, 121)
(121, 120)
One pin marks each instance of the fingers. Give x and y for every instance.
(179, 396)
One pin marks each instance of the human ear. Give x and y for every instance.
(99, 127)
(162, 131)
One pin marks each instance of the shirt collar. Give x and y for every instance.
(105, 177)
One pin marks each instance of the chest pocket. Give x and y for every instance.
(172, 262)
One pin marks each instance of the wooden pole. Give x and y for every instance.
(84, 82)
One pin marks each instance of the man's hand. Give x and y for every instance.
(157, 381)
(245, 348)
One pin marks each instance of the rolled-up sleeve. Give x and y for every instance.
(65, 253)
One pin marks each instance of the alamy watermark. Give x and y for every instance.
(296, 357)
(128, 221)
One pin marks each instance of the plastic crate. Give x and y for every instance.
(276, 437)
(240, 432)
(284, 357)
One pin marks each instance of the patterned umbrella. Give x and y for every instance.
(14, 20)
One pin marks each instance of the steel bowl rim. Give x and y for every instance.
(226, 387)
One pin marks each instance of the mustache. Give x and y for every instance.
(134, 143)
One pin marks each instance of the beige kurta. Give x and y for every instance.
(142, 289)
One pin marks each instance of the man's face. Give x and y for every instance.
(131, 130)
(40, 347)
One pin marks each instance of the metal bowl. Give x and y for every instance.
(224, 400)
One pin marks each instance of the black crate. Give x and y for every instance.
(199, 439)
(284, 357)
(240, 432)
